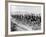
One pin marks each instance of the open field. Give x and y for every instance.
(25, 22)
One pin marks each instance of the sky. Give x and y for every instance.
(19, 9)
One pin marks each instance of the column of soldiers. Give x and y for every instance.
(28, 19)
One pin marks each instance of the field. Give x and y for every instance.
(25, 22)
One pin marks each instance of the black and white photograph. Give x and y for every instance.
(25, 18)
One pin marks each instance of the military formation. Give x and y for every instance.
(30, 20)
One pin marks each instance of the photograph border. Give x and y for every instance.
(6, 17)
